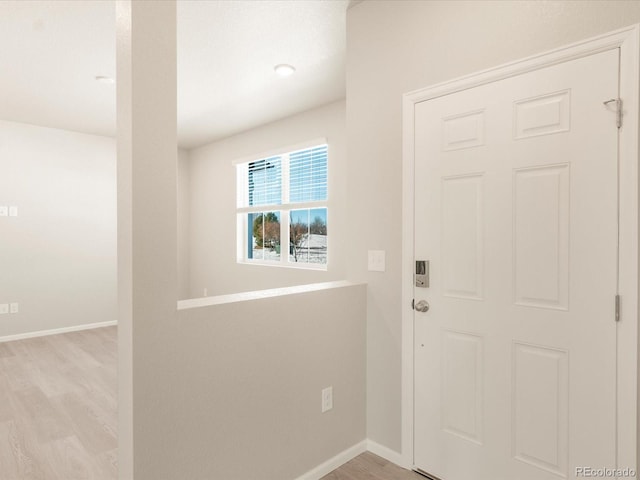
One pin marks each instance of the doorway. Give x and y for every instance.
(519, 180)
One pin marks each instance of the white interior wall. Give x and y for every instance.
(220, 392)
(398, 46)
(58, 256)
(212, 182)
(184, 223)
(248, 377)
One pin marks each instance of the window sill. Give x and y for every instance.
(299, 266)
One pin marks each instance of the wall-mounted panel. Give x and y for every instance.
(540, 407)
(462, 237)
(541, 236)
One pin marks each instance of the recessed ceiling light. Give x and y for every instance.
(284, 70)
(103, 79)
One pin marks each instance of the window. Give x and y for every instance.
(282, 208)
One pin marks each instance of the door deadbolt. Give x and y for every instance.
(421, 277)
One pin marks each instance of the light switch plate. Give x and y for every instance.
(376, 260)
(13, 211)
(13, 308)
(4, 308)
(4, 211)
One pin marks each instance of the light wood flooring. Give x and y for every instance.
(58, 407)
(58, 412)
(368, 466)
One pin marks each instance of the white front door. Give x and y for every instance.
(516, 209)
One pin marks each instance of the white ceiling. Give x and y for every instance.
(52, 50)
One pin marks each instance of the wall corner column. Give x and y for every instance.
(147, 250)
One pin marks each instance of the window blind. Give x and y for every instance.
(265, 182)
(308, 175)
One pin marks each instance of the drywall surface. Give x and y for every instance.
(184, 215)
(394, 47)
(212, 182)
(243, 382)
(228, 391)
(58, 256)
(147, 226)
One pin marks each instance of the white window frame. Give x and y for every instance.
(284, 208)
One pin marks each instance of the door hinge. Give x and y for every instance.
(617, 308)
(618, 102)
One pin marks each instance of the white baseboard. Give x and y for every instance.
(55, 331)
(349, 454)
(387, 453)
(330, 465)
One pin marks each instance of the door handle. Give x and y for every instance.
(421, 306)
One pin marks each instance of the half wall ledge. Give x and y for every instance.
(260, 294)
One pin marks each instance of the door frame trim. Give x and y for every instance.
(628, 40)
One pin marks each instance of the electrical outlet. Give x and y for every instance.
(327, 399)
(13, 211)
(4, 308)
(4, 211)
(14, 308)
